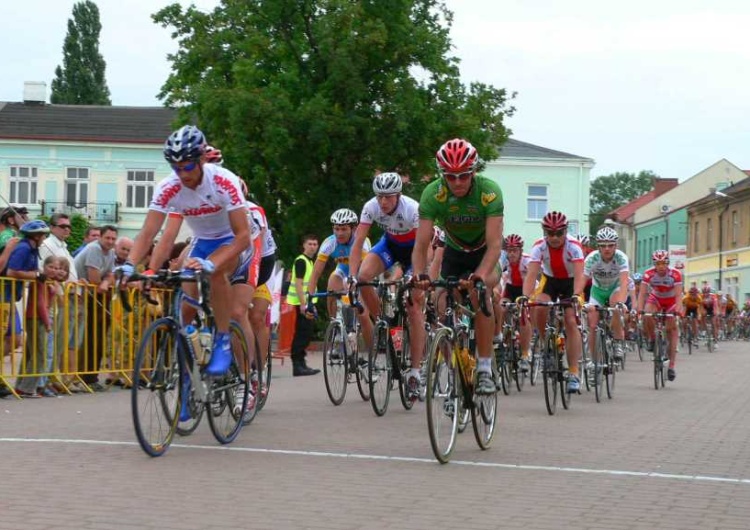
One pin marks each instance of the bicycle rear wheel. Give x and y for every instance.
(256, 377)
(158, 374)
(610, 368)
(379, 368)
(442, 402)
(335, 362)
(658, 362)
(484, 418)
(362, 372)
(504, 368)
(599, 364)
(265, 376)
(404, 366)
(228, 394)
(550, 371)
(536, 362)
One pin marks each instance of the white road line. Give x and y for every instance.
(324, 454)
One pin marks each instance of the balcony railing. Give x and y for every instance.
(96, 212)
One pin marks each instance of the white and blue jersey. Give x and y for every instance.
(339, 253)
(400, 227)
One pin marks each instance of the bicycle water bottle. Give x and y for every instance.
(352, 339)
(205, 341)
(191, 333)
(397, 336)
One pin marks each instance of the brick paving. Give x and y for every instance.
(332, 477)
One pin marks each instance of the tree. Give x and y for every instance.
(609, 192)
(81, 79)
(308, 99)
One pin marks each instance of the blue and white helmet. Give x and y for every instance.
(34, 227)
(387, 184)
(187, 143)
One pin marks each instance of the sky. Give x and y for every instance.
(639, 85)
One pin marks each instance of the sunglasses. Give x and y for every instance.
(554, 233)
(453, 177)
(185, 168)
(661, 263)
(607, 245)
(63, 226)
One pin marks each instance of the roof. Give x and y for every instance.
(88, 123)
(517, 149)
(625, 211)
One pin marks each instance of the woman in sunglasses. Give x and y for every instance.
(469, 208)
(559, 257)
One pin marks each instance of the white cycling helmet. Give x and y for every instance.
(607, 235)
(387, 184)
(344, 216)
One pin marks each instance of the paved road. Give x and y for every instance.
(676, 458)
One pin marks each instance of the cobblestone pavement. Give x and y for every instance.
(677, 458)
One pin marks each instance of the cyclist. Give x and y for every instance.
(398, 216)
(710, 311)
(469, 208)
(731, 314)
(691, 304)
(515, 264)
(662, 287)
(608, 269)
(210, 199)
(559, 258)
(338, 247)
(585, 242)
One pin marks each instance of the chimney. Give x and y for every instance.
(662, 186)
(35, 92)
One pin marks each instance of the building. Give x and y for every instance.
(98, 161)
(719, 243)
(536, 180)
(663, 222)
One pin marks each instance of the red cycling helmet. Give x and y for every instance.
(213, 156)
(660, 255)
(513, 241)
(555, 221)
(457, 156)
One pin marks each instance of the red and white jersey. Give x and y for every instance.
(514, 273)
(557, 262)
(206, 208)
(259, 219)
(663, 287)
(399, 226)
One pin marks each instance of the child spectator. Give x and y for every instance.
(53, 269)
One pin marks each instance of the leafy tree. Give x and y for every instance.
(81, 79)
(308, 99)
(609, 192)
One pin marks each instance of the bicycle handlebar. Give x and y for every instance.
(165, 276)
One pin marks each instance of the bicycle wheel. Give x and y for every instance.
(228, 394)
(484, 418)
(362, 371)
(196, 408)
(586, 370)
(265, 377)
(442, 402)
(404, 366)
(610, 368)
(690, 337)
(599, 366)
(256, 379)
(518, 375)
(549, 375)
(639, 344)
(335, 362)
(380, 370)
(562, 378)
(155, 398)
(658, 362)
(504, 368)
(536, 362)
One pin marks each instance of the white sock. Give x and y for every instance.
(484, 364)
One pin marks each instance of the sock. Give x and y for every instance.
(484, 364)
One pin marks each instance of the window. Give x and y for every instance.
(77, 186)
(140, 188)
(573, 227)
(23, 183)
(735, 227)
(695, 237)
(536, 203)
(709, 233)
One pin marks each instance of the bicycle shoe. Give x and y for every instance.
(221, 356)
(485, 384)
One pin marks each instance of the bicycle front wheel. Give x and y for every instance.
(442, 403)
(264, 379)
(228, 394)
(379, 370)
(550, 370)
(158, 374)
(610, 369)
(255, 398)
(484, 418)
(335, 363)
(404, 367)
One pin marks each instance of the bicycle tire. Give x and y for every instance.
(549, 376)
(611, 368)
(442, 396)
(335, 368)
(504, 368)
(658, 362)
(380, 371)
(599, 366)
(228, 394)
(518, 375)
(256, 375)
(404, 367)
(157, 380)
(639, 344)
(484, 418)
(265, 378)
(562, 378)
(536, 363)
(361, 374)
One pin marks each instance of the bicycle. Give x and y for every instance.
(342, 361)
(390, 345)
(508, 351)
(660, 356)
(451, 376)
(169, 369)
(605, 365)
(554, 372)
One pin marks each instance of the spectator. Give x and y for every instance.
(94, 265)
(24, 265)
(122, 249)
(52, 269)
(11, 218)
(303, 330)
(93, 233)
(55, 245)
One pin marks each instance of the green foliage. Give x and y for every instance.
(609, 192)
(81, 79)
(307, 100)
(79, 224)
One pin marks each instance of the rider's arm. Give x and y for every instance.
(241, 242)
(421, 244)
(355, 254)
(312, 285)
(529, 282)
(642, 296)
(436, 263)
(163, 248)
(579, 280)
(622, 293)
(493, 237)
(146, 236)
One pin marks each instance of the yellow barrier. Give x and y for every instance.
(86, 334)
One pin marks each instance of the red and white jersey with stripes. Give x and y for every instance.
(557, 262)
(662, 286)
(513, 274)
(259, 218)
(206, 208)
(399, 226)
